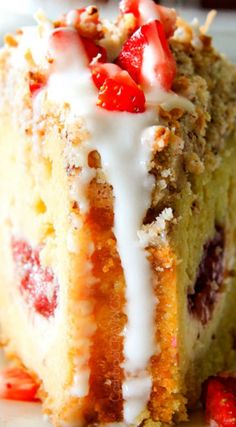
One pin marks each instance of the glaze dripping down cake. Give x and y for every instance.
(118, 194)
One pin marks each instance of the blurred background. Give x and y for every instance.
(15, 13)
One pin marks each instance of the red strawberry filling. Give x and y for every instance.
(17, 384)
(37, 284)
(209, 279)
(146, 11)
(219, 400)
(117, 90)
(147, 57)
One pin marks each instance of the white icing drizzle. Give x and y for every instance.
(148, 11)
(152, 54)
(196, 42)
(118, 137)
(136, 391)
(125, 162)
(71, 17)
(125, 158)
(168, 100)
(80, 387)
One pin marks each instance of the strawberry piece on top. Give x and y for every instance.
(94, 51)
(147, 57)
(146, 11)
(117, 90)
(100, 72)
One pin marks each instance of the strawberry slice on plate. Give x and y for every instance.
(146, 11)
(117, 90)
(219, 399)
(147, 57)
(18, 384)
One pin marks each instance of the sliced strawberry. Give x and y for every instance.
(146, 11)
(100, 72)
(17, 384)
(37, 284)
(147, 57)
(94, 51)
(130, 6)
(219, 398)
(35, 87)
(120, 93)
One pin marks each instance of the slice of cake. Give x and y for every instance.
(118, 199)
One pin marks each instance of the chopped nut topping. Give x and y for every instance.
(193, 164)
(162, 138)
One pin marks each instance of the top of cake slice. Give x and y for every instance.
(148, 69)
(133, 64)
